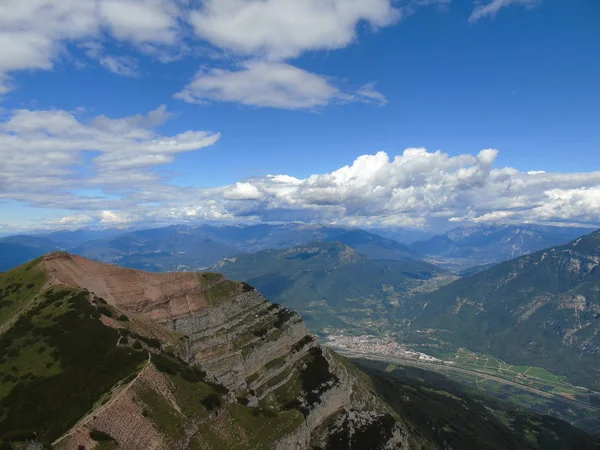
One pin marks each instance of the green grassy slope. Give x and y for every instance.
(17, 288)
(449, 414)
(57, 360)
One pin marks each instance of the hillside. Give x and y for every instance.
(540, 310)
(332, 285)
(134, 360)
(490, 243)
(458, 417)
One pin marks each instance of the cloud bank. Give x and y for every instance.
(107, 172)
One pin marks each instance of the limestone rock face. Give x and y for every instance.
(238, 336)
(261, 352)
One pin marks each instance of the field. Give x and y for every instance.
(529, 387)
(535, 377)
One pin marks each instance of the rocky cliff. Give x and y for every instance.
(259, 353)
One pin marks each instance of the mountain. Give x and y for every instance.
(174, 248)
(491, 243)
(374, 246)
(540, 310)
(332, 285)
(70, 238)
(94, 354)
(99, 356)
(16, 250)
(181, 247)
(403, 235)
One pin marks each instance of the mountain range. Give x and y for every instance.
(541, 309)
(99, 356)
(331, 284)
(180, 248)
(491, 243)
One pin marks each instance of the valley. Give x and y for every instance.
(533, 388)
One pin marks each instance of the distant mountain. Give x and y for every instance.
(183, 248)
(404, 235)
(540, 310)
(70, 238)
(372, 245)
(261, 237)
(332, 285)
(496, 242)
(175, 248)
(16, 250)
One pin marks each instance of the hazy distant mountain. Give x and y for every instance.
(70, 238)
(496, 242)
(181, 247)
(403, 235)
(330, 283)
(540, 310)
(16, 250)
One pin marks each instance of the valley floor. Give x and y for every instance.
(531, 387)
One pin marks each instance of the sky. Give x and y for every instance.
(416, 113)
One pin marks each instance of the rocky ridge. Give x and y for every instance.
(260, 352)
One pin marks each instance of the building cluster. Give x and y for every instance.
(373, 345)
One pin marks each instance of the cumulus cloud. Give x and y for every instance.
(272, 84)
(490, 8)
(279, 29)
(120, 186)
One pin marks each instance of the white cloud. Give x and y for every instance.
(255, 36)
(145, 21)
(491, 7)
(271, 32)
(370, 95)
(33, 33)
(271, 84)
(281, 29)
(242, 191)
(414, 188)
(120, 65)
(48, 156)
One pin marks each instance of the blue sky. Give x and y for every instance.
(281, 95)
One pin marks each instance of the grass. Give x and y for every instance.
(527, 375)
(576, 415)
(543, 374)
(220, 291)
(17, 288)
(240, 427)
(452, 415)
(79, 363)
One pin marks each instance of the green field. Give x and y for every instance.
(535, 377)
(577, 415)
